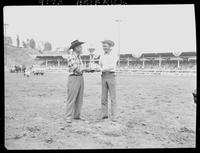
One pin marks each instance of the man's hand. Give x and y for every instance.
(83, 69)
(98, 70)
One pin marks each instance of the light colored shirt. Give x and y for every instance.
(74, 64)
(108, 61)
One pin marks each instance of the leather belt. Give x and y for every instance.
(108, 72)
(75, 74)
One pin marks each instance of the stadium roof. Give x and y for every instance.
(170, 54)
(125, 56)
(155, 55)
(186, 54)
(49, 57)
(149, 55)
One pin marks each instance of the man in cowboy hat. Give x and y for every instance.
(75, 84)
(108, 62)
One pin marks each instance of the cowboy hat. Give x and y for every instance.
(109, 42)
(75, 43)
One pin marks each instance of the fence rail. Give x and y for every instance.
(157, 71)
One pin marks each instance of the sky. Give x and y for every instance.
(143, 28)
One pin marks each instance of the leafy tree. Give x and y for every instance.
(27, 43)
(32, 43)
(24, 44)
(18, 41)
(47, 46)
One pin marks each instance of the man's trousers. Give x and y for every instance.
(108, 85)
(75, 88)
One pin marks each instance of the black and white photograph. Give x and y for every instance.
(100, 76)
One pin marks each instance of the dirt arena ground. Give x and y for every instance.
(153, 112)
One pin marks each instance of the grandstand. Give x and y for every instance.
(186, 60)
(127, 59)
(58, 59)
(51, 60)
(147, 63)
(167, 61)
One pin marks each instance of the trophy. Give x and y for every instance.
(92, 66)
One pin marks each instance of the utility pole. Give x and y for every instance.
(118, 22)
(5, 40)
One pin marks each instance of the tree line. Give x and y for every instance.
(29, 43)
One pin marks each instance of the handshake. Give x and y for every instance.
(91, 68)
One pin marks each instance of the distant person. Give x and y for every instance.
(108, 62)
(195, 96)
(27, 72)
(75, 85)
(23, 68)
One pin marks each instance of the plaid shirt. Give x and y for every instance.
(74, 64)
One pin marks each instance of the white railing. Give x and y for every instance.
(157, 71)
